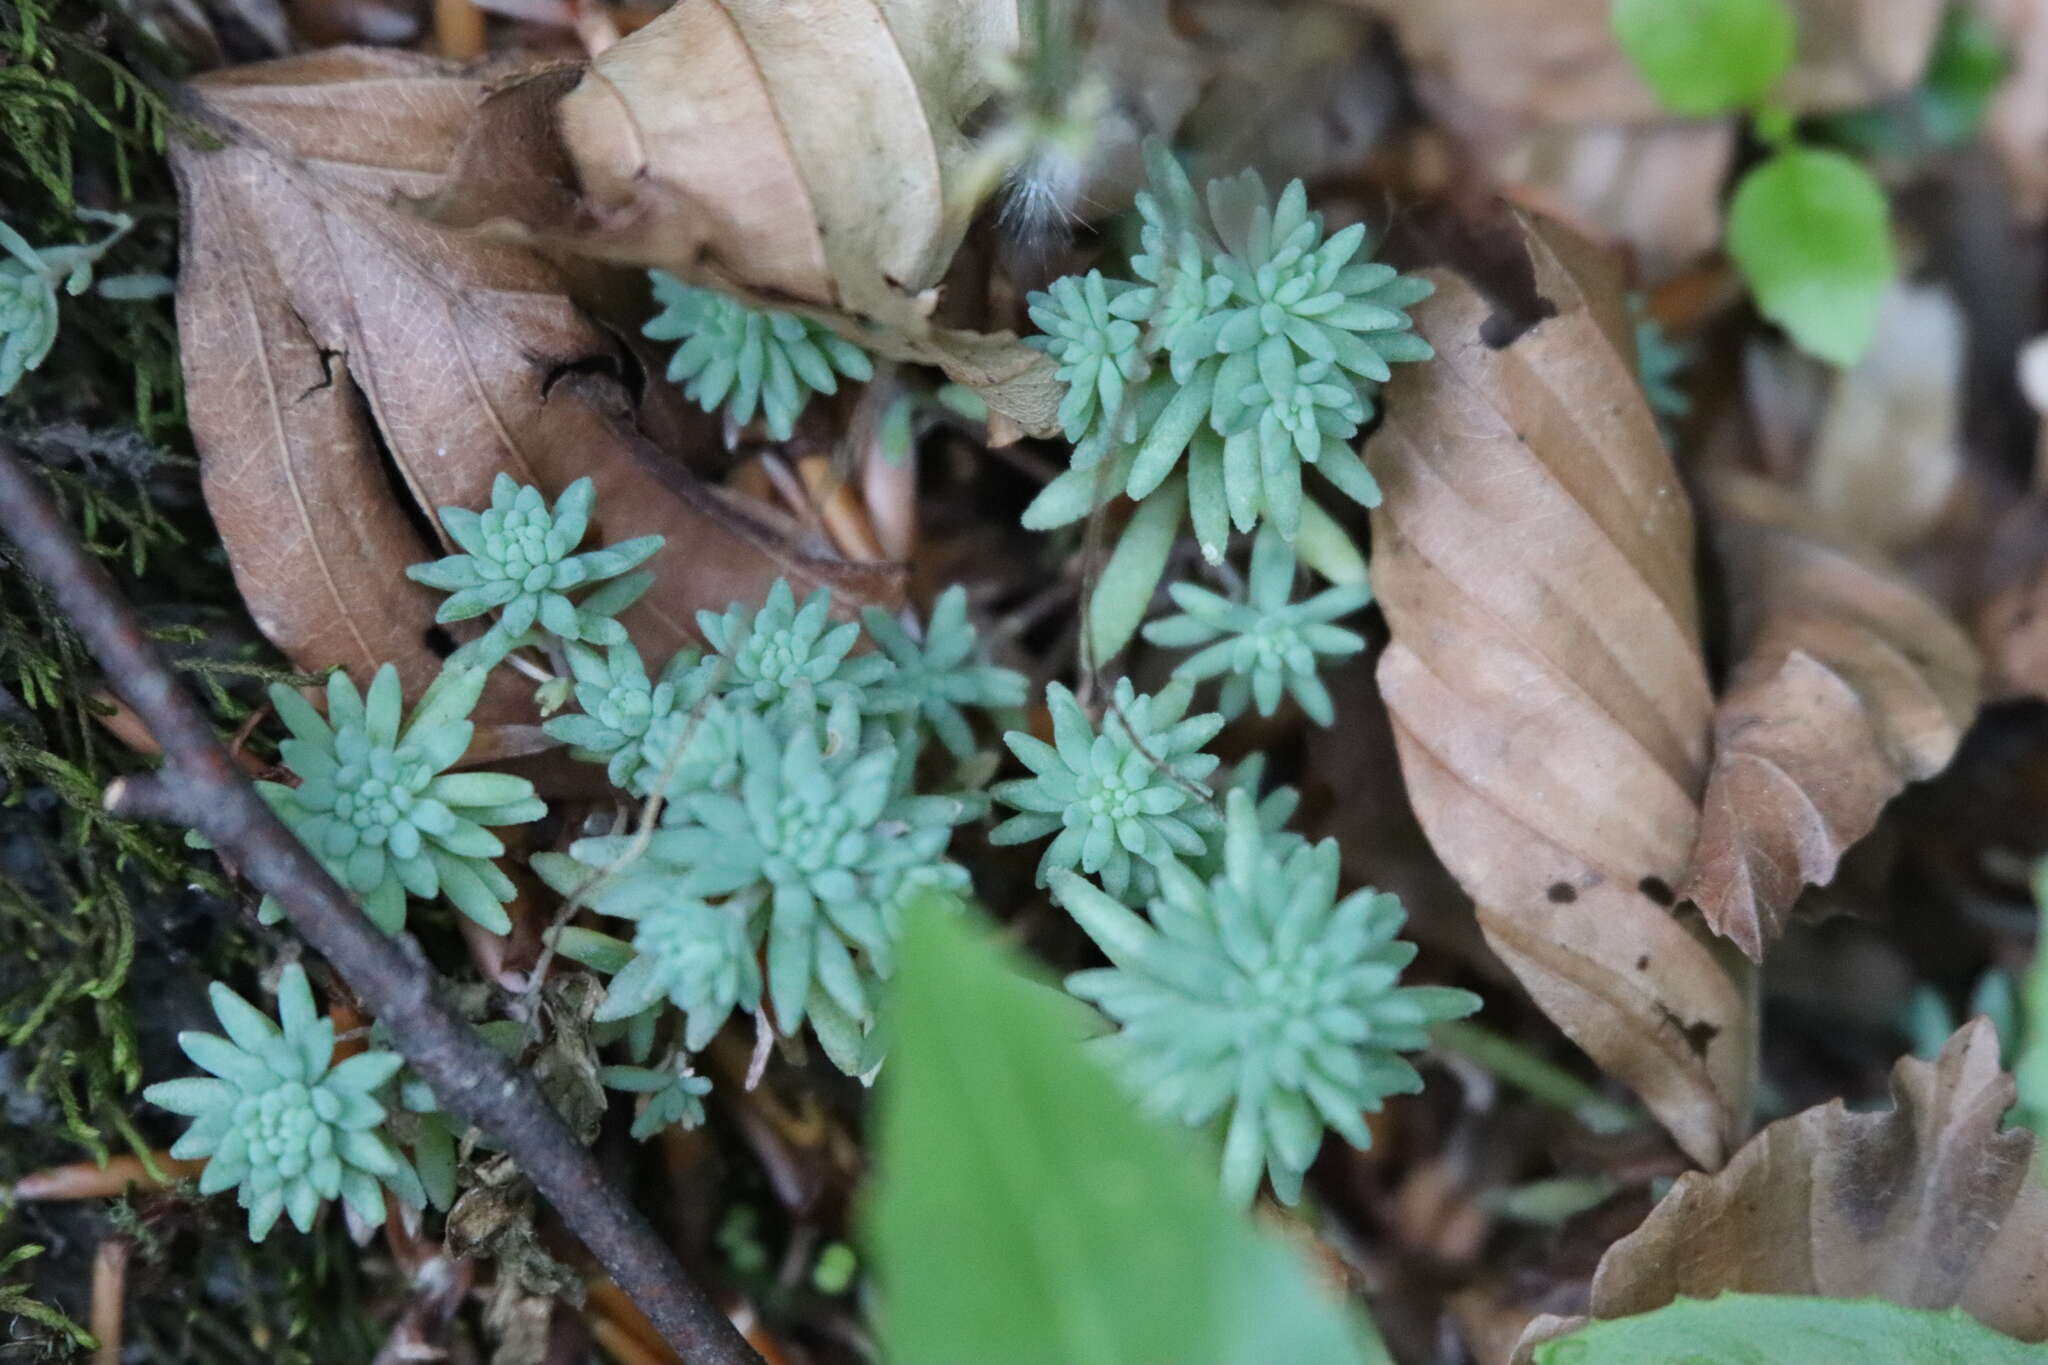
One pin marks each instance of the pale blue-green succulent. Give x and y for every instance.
(749, 358)
(675, 1097)
(1659, 362)
(766, 654)
(1264, 646)
(279, 1119)
(520, 560)
(30, 278)
(376, 804)
(1272, 336)
(1261, 998)
(696, 955)
(937, 678)
(808, 844)
(639, 726)
(1126, 799)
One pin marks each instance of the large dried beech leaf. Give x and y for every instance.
(1534, 556)
(1928, 1205)
(801, 153)
(1851, 684)
(344, 358)
(1557, 61)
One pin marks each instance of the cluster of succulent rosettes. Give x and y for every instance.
(520, 560)
(1247, 349)
(1122, 801)
(749, 359)
(802, 859)
(685, 723)
(281, 1120)
(376, 804)
(1264, 646)
(1260, 996)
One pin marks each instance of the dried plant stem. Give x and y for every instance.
(201, 787)
(109, 1297)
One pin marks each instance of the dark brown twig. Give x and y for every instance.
(200, 787)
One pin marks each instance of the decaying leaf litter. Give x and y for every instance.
(1697, 726)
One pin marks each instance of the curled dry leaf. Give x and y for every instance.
(1928, 1205)
(350, 367)
(800, 153)
(1534, 557)
(1851, 684)
(1557, 61)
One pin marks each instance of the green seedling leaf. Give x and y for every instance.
(1705, 57)
(1754, 1329)
(1811, 231)
(1026, 1213)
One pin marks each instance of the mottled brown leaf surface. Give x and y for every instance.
(349, 367)
(802, 153)
(1851, 684)
(1928, 1204)
(1535, 559)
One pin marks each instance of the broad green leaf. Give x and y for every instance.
(1707, 56)
(1026, 1214)
(1765, 1329)
(1811, 231)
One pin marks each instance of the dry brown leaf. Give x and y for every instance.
(1928, 1204)
(1534, 557)
(1851, 684)
(1556, 61)
(799, 153)
(344, 358)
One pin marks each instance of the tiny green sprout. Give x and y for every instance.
(376, 804)
(939, 677)
(1127, 798)
(30, 278)
(520, 560)
(1264, 646)
(769, 653)
(1261, 997)
(279, 1119)
(675, 1097)
(749, 358)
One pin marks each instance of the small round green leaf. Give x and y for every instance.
(1707, 56)
(1811, 231)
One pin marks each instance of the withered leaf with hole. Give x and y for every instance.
(1535, 559)
(800, 153)
(350, 367)
(1851, 684)
(1928, 1204)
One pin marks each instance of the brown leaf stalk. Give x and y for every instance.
(201, 787)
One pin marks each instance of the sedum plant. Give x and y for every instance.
(376, 804)
(1122, 800)
(520, 559)
(1259, 997)
(769, 653)
(279, 1120)
(1246, 349)
(1264, 646)
(934, 679)
(802, 860)
(749, 359)
(30, 278)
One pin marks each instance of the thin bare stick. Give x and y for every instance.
(201, 787)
